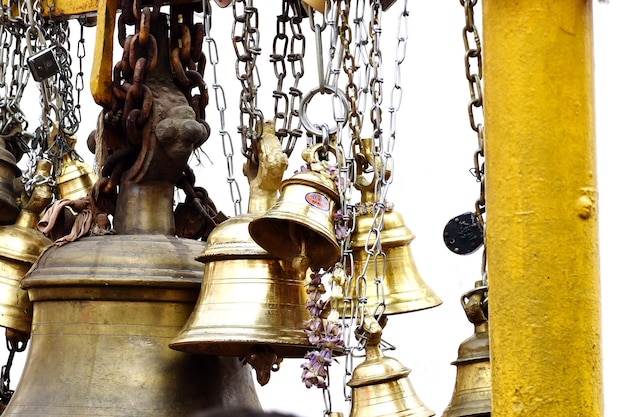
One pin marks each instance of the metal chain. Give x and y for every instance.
(245, 36)
(286, 109)
(221, 105)
(473, 74)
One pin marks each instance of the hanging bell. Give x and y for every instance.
(302, 215)
(9, 170)
(251, 304)
(75, 179)
(105, 308)
(472, 390)
(380, 385)
(404, 289)
(20, 246)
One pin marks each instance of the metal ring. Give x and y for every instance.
(316, 129)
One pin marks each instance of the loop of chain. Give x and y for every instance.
(220, 103)
(473, 74)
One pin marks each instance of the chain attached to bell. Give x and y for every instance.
(472, 390)
(380, 384)
(464, 234)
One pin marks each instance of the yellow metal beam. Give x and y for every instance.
(101, 72)
(542, 233)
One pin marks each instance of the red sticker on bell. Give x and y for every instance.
(318, 200)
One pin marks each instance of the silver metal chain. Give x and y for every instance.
(221, 106)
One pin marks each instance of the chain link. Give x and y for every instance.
(221, 105)
(474, 74)
(246, 36)
(286, 108)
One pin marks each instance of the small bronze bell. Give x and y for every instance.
(472, 390)
(75, 179)
(251, 304)
(302, 215)
(380, 385)
(20, 246)
(404, 289)
(9, 170)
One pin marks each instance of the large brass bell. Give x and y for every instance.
(404, 289)
(472, 390)
(9, 170)
(104, 311)
(303, 214)
(20, 246)
(380, 385)
(251, 304)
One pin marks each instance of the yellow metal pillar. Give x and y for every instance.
(542, 233)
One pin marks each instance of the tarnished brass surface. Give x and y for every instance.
(76, 178)
(9, 170)
(380, 385)
(472, 390)
(298, 217)
(405, 290)
(105, 309)
(20, 246)
(147, 208)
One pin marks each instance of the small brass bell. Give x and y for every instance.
(380, 385)
(251, 305)
(9, 170)
(303, 214)
(75, 179)
(404, 289)
(20, 246)
(472, 390)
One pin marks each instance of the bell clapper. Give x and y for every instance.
(263, 360)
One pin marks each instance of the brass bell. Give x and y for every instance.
(303, 214)
(404, 289)
(251, 304)
(380, 385)
(75, 179)
(20, 246)
(248, 302)
(472, 390)
(9, 170)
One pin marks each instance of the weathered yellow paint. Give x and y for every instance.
(542, 233)
(102, 70)
(64, 9)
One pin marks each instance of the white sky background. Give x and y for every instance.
(433, 154)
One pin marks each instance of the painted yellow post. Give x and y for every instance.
(542, 234)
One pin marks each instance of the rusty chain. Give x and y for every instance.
(245, 36)
(473, 74)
